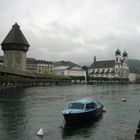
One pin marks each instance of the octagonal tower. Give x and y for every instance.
(15, 47)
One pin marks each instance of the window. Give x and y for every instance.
(90, 106)
(76, 106)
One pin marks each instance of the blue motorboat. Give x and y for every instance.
(82, 110)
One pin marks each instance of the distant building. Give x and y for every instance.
(45, 67)
(40, 66)
(15, 47)
(31, 65)
(116, 68)
(132, 77)
(68, 68)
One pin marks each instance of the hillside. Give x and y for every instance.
(134, 65)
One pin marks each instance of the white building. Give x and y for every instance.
(116, 68)
(67, 68)
(132, 77)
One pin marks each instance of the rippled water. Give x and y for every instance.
(24, 111)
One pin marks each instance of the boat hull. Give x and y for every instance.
(84, 116)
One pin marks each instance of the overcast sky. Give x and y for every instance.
(74, 30)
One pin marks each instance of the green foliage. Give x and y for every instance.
(77, 78)
(99, 78)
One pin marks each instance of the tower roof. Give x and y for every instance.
(125, 54)
(118, 52)
(15, 37)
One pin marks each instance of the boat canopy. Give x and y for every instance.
(86, 103)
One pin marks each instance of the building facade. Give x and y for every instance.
(67, 68)
(45, 67)
(117, 68)
(31, 65)
(40, 66)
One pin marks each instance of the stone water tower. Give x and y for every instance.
(15, 47)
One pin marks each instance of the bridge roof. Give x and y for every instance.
(8, 70)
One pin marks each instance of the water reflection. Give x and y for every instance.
(12, 113)
(84, 129)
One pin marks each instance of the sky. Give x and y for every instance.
(74, 30)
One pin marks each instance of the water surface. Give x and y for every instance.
(24, 111)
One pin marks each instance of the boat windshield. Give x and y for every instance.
(76, 106)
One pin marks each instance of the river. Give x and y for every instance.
(24, 111)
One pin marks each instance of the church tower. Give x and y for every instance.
(15, 47)
(118, 56)
(125, 56)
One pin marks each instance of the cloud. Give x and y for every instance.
(74, 30)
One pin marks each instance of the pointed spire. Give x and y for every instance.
(16, 25)
(15, 37)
